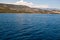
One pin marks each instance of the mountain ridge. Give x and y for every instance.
(12, 8)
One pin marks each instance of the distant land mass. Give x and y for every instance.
(10, 8)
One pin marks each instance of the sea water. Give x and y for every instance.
(29, 26)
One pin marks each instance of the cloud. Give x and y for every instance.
(40, 6)
(30, 4)
(24, 3)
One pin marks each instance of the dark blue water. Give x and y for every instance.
(29, 26)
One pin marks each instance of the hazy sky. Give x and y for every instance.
(38, 3)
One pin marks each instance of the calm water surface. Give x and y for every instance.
(29, 26)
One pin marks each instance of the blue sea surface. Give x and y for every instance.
(29, 26)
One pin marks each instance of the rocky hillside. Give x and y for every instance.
(10, 8)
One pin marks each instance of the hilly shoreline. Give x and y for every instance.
(10, 8)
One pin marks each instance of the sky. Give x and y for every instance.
(35, 3)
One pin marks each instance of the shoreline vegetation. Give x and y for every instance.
(10, 8)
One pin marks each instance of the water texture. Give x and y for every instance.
(29, 27)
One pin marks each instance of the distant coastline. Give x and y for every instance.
(9, 8)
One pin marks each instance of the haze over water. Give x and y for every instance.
(29, 27)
